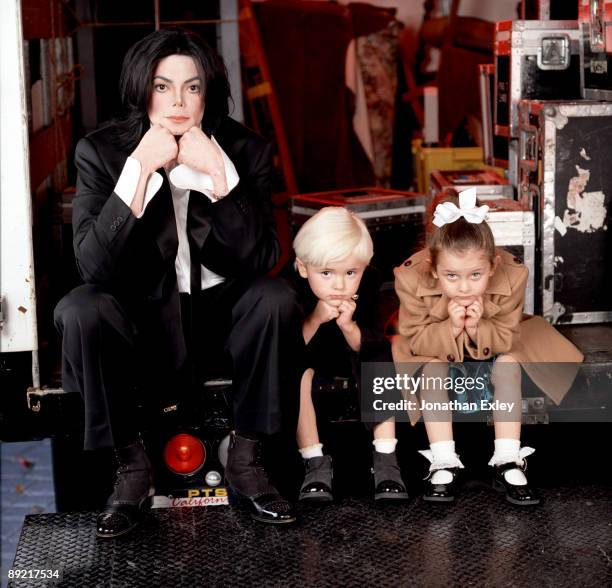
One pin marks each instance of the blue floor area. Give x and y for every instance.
(27, 488)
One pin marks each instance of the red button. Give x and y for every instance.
(486, 351)
(450, 357)
(407, 263)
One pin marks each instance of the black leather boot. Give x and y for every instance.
(247, 477)
(388, 483)
(132, 495)
(317, 485)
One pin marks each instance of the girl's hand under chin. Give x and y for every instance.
(456, 313)
(473, 313)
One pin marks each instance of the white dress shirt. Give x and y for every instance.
(182, 180)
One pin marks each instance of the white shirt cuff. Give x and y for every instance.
(128, 182)
(187, 178)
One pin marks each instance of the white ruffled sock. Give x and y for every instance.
(384, 445)
(442, 455)
(309, 451)
(507, 451)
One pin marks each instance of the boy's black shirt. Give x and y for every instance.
(328, 352)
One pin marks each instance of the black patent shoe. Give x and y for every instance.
(515, 494)
(441, 492)
(388, 483)
(247, 477)
(317, 485)
(268, 508)
(132, 496)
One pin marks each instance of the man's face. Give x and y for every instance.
(463, 275)
(334, 282)
(177, 100)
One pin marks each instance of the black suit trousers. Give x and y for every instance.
(109, 355)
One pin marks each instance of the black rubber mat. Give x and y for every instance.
(480, 540)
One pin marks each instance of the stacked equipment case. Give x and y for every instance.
(534, 59)
(596, 25)
(566, 178)
(547, 116)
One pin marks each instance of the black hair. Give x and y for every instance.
(136, 81)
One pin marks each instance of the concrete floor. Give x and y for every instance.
(27, 488)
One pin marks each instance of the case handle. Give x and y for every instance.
(598, 44)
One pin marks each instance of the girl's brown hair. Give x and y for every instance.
(460, 235)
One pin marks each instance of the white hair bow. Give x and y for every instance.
(447, 212)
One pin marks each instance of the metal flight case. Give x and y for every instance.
(487, 183)
(535, 60)
(596, 23)
(513, 228)
(549, 10)
(566, 178)
(496, 149)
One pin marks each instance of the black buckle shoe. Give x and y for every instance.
(132, 496)
(388, 483)
(317, 485)
(441, 492)
(248, 479)
(515, 494)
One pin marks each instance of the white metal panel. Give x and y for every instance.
(18, 332)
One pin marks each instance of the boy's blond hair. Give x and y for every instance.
(333, 234)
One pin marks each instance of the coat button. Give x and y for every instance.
(486, 351)
(450, 357)
(408, 263)
(113, 227)
(119, 219)
(413, 353)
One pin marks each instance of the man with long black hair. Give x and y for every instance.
(173, 236)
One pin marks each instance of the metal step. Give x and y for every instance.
(479, 540)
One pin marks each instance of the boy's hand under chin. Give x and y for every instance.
(345, 317)
(324, 312)
(347, 325)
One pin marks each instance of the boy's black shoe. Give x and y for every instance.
(247, 477)
(515, 494)
(388, 483)
(441, 492)
(132, 495)
(317, 485)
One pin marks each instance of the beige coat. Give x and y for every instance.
(425, 329)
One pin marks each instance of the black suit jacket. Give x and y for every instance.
(134, 258)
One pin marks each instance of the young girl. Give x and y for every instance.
(461, 299)
(339, 295)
